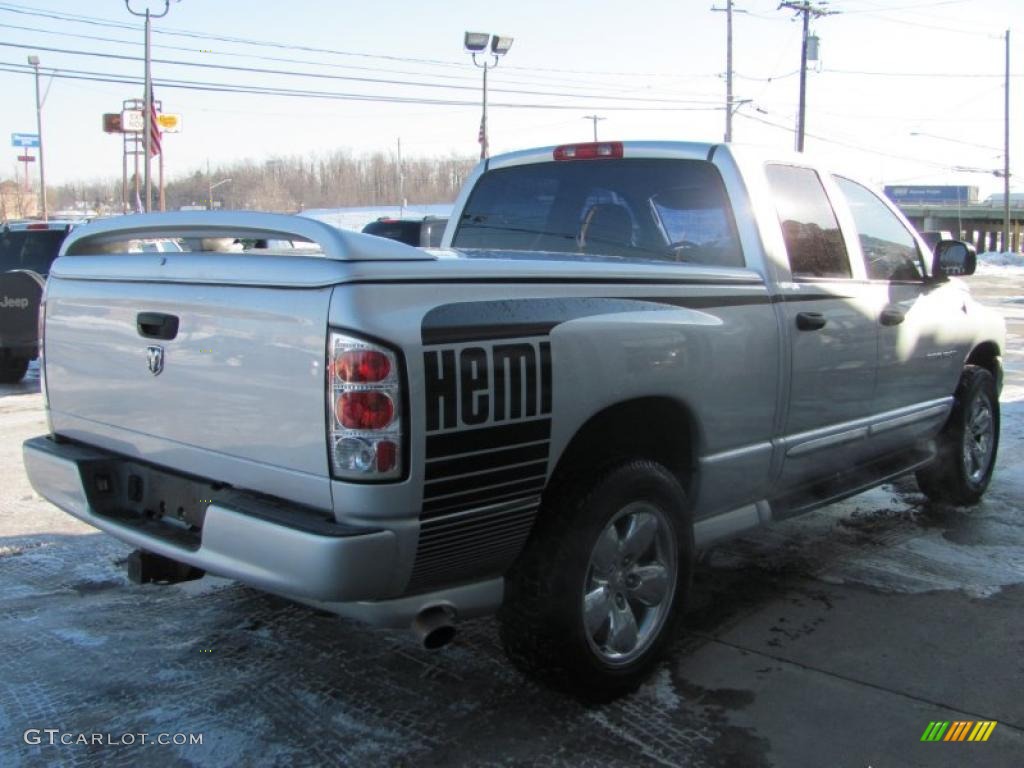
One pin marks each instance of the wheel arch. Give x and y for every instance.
(987, 355)
(657, 428)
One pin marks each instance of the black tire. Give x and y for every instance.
(959, 475)
(12, 369)
(542, 622)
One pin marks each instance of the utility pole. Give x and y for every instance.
(808, 9)
(34, 62)
(594, 119)
(1006, 158)
(147, 99)
(729, 10)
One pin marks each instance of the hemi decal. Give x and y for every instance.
(490, 383)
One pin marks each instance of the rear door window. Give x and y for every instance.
(890, 250)
(639, 209)
(813, 240)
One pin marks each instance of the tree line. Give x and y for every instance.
(288, 183)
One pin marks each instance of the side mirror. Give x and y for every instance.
(953, 258)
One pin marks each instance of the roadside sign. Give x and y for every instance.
(169, 123)
(112, 122)
(26, 159)
(132, 121)
(24, 139)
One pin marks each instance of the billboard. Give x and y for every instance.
(918, 194)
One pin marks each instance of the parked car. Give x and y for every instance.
(27, 248)
(425, 232)
(630, 351)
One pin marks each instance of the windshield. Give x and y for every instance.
(673, 210)
(30, 249)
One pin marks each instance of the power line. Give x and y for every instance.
(351, 78)
(288, 60)
(96, 21)
(917, 74)
(107, 77)
(850, 145)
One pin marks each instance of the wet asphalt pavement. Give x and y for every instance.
(833, 639)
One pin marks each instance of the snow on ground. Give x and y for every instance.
(994, 263)
(357, 218)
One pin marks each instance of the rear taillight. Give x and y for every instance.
(365, 405)
(600, 150)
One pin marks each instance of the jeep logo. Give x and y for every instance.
(8, 303)
(488, 383)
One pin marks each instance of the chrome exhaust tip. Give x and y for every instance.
(434, 627)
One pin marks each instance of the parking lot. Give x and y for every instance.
(833, 639)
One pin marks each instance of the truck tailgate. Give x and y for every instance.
(239, 386)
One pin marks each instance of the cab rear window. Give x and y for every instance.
(638, 209)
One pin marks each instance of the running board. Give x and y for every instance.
(845, 484)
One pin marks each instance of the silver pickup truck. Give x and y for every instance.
(622, 353)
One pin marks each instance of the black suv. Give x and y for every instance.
(26, 251)
(424, 233)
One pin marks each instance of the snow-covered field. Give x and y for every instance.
(993, 263)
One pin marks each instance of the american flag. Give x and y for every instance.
(154, 126)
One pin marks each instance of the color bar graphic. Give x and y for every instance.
(935, 730)
(958, 730)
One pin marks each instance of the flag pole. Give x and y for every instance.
(149, 124)
(163, 202)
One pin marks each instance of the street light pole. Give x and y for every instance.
(476, 42)
(34, 61)
(147, 99)
(485, 149)
(210, 186)
(594, 119)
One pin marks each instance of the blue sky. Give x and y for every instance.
(652, 68)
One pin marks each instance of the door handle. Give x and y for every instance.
(810, 321)
(892, 317)
(156, 325)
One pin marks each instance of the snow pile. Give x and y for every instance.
(992, 262)
(357, 218)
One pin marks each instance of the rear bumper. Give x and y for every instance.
(242, 538)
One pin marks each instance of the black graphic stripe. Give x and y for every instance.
(570, 280)
(463, 546)
(497, 533)
(788, 298)
(476, 499)
(438, 469)
(442, 527)
(438, 488)
(495, 332)
(517, 318)
(487, 438)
